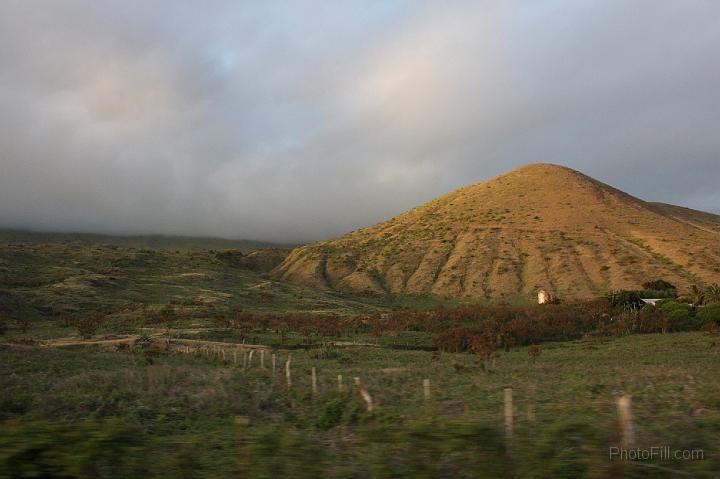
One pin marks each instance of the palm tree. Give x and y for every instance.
(697, 295)
(712, 293)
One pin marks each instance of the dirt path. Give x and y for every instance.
(195, 343)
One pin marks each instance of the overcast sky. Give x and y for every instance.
(300, 120)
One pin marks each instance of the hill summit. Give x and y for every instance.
(540, 226)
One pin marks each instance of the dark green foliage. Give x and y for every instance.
(88, 325)
(659, 285)
(630, 299)
(709, 315)
(231, 257)
(681, 315)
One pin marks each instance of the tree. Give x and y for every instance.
(533, 352)
(88, 325)
(697, 295)
(659, 285)
(709, 315)
(482, 348)
(712, 293)
(166, 317)
(659, 289)
(629, 299)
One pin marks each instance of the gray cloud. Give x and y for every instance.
(300, 120)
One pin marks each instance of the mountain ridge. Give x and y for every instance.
(539, 226)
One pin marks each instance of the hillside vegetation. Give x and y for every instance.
(538, 226)
(48, 281)
(158, 242)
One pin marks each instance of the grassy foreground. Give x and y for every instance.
(87, 412)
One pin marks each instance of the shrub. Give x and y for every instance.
(533, 352)
(89, 325)
(707, 315)
(659, 289)
(625, 298)
(681, 315)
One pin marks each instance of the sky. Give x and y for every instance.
(299, 120)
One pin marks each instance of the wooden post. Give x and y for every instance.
(364, 394)
(288, 375)
(340, 383)
(262, 359)
(250, 357)
(273, 365)
(223, 354)
(314, 380)
(235, 357)
(426, 390)
(624, 407)
(245, 361)
(508, 413)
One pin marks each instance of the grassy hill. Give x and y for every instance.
(47, 280)
(157, 242)
(538, 226)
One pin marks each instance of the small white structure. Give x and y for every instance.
(650, 301)
(544, 297)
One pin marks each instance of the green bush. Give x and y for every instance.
(625, 298)
(681, 315)
(659, 289)
(709, 314)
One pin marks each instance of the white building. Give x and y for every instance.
(544, 297)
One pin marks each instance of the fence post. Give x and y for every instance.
(314, 381)
(508, 413)
(426, 390)
(235, 356)
(624, 407)
(245, 361)
(273, 365)
(364, 394)
(262, 359)
(288, 375)
(340, 383)
(250, 358)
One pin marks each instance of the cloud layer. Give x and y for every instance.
(293, 121)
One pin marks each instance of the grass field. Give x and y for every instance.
(140, 406)
(90, 412)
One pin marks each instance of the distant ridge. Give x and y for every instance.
(158, 242)
(537, 226)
